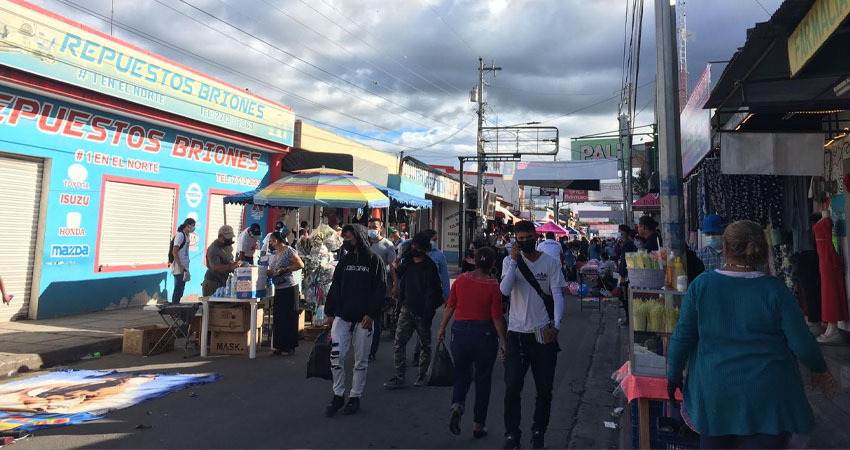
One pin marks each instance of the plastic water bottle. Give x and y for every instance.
(233, 287)
(228, 285)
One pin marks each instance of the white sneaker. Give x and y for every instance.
(834, 338)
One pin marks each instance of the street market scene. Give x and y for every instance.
(507, 224)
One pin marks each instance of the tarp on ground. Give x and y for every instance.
(582, 175)
(70, 397)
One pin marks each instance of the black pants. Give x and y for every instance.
(285, 320)
(754, 441)
(523, 351)
(808, 267)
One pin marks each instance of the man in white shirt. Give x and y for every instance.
(248, 243)
(180, 254)
(532, 339)
(552, 247)
(279, 227)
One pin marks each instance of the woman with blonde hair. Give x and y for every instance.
(740, 333)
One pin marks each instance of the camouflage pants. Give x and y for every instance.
(407, 324)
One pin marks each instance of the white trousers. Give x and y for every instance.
(343, 334)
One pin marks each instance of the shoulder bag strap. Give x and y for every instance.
(548, 300)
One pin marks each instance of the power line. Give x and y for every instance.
(452, 30)
(765, 9)
(373, 48)
(366, 30)
(553, 94)
(264, 41)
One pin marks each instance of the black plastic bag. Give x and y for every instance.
(442, 371)
(319, 364)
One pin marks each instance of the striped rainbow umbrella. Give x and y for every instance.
(322, 187)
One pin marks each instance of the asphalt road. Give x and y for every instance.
(268, 403)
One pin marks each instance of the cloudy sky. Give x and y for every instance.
(396, 74)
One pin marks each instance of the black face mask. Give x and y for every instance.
(527, 246)
(348, 246)
(228, 242)
(417, 253)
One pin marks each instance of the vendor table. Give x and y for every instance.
(643, 389)
(205, 327)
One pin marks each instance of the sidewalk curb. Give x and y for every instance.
(13, 364)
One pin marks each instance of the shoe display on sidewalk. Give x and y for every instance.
(395, 383)
(537, 440)
(352, 407)
(335, 405)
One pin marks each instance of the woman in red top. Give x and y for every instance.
(476, 302)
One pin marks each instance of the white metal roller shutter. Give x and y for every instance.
(216, 219)
(134, 217)
(20, 182)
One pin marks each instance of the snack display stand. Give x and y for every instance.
(654, 316)
(205, 324)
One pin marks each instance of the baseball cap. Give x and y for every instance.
(226, 231)
(392, 230)
(255, 229)
(278, 226)
(712, 224)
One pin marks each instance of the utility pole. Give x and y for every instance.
(669, 131)
(625, 158)
(482, 165)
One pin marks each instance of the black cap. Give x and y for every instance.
(255, 228)
(278, 226)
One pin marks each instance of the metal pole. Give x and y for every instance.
(669, 132)
(624, 169)
(479, 222)
(462, 213)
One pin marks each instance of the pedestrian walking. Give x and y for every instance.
(552, 248)
(248, 243)
(741, 334)
(220, 262)
(648, 230)
(285, 261)
(712, 254)
(385, 249)
(420, 294)
(628, 246)
(535, 283)
(180, 258)
(353, 303)
(478, 335)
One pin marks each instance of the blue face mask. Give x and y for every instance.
(433, 245)
(373, 234)
(715, 242)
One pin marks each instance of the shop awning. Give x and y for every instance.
(243, 198)
(400, 199)
(584, 175)
(504, 213)
(648, 202)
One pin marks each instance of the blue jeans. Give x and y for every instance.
(179, 287)
(475, 346)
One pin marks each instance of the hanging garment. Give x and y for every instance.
(808, 269)
(833, 297)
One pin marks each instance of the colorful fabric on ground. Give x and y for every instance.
(322, 187)
(75, 396)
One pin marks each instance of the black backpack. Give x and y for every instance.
(171, 245)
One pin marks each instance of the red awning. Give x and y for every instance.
(647, 203)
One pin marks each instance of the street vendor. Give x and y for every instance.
(219, 261)
(248, 243)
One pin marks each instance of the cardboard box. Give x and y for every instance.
(233, 318)
(251, 281)
(140, 340)
(232, 343)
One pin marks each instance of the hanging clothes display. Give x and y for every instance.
(833, 297)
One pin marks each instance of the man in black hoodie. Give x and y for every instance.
(420, 294)
(354, 301)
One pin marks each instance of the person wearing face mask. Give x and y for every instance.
(180, 252)
(354, 301)
(248, 243)
(712, 254)
(420, 294)
(219, 261)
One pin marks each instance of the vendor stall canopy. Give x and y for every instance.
(582, 175)
(400, 199)
(321, 187)
(789, 73)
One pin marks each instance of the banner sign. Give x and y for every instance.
(611, 191)
(435, 184)
(75, 396)
(696, 124)
(606, 148)
(575, 196)
(548, 192)
(821, 21)
(40, 42)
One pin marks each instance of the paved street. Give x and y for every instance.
(268, 403)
